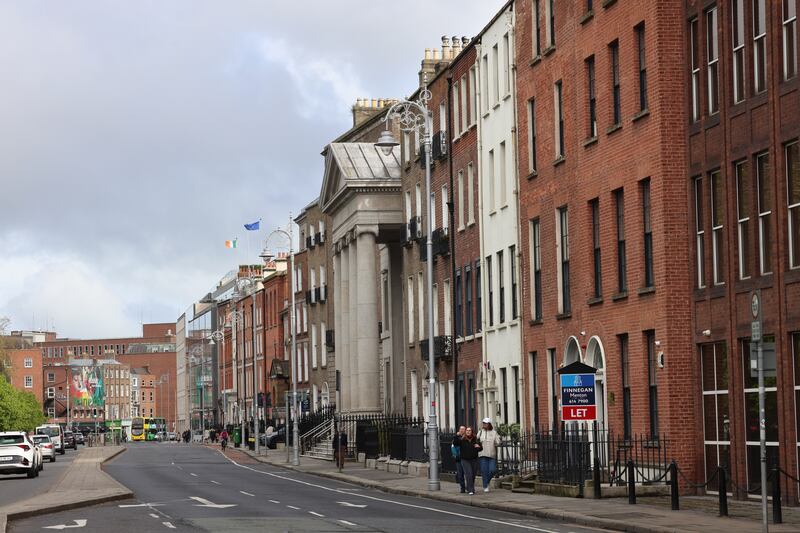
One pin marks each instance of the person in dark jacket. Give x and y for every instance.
(469, 446)
(340, 448)
(457, 458)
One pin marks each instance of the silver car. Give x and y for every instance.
(45, 444)
(19, 455)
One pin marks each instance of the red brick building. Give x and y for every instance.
(24, 370)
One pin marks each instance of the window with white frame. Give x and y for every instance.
(764, 214)
(550, 27)
(28, 382)
(737, 37)
(490, 164)
(465, 120)
(496, 72)
(436, 318)
(323, 350)
(506, 64)
(51, 392)
(418, 198)
(699, 231)
(751, 412)
(313, 346)
(558, 123)
(408, 215)
(442, 116)
(562, 252)
(716, 426)
(473, 95)
(456, 110)
(447, 309)
(420, 306)
(51, 377)
(445, 210)
(759, 46)
(485, 84)
(531, 135)
(789, 39)
(717, 226)
(460, 182)
(407, 146)
(433, 212)
(536, 269)
(536, 26)
(28, 362)
(712, 51)
(51, 412)
(792, 151)
(744, 188)
(470, 194)
(410, 298)
(502, 176)
(694, 37)
(313, 282)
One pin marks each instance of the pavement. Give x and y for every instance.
(82, 483)
(613, 514)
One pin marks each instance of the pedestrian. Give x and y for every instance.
(455, 449)
(223, 437)
(340, 448)
(469, 448)
(489, 440)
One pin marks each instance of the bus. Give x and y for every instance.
(137, 428)
(154, 426)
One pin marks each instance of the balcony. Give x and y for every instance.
(317, 295)
(441, 244)
(309, 297)
(413, 231)
(322, 293)
(330, 339)
(442, 348)
(309, 242)
(439, 145)
(319, 237)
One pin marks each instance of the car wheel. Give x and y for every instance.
(53, 458)
(41, 466)
(32, 472)
(62, 451)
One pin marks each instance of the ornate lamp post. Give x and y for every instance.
(415, 117)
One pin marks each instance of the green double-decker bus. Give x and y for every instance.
(154, 426)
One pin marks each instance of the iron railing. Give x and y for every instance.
(379, 435)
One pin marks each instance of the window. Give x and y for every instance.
(410, 293)
(789, 39)
(504, 382)
(501, 287)
(515, 377)
(502, 176)
(712, 50)
(642, 67)
(51, 377)
(592, 97)
(531, 135)
(407, 146)
(537, 29)
(460, 200)
(615, 84)
(435, 310)
(418, 198)
(442, 116)
(700, 233)
(478, 298)
(649, 275)
(737, 30)
(447, 309)
(716, 420)
(764, 214)
(759, 46)
(445, 209)
(717, 224)
(552, 368)
(594, 207)
(534, 380)
(313, 345)
(28, 382)
(622, 276)
(496, 73)
(536, 269)
(650, 339)
(626, 385)
(695, 65)
(490, 287)
(512, 258)
(473, 95)
(551, 23)
(562, 252)
(771, 415)
(51, 392)
(456, 110)
(793, 192)
(464, 104)
(468, 300)
(559, 122)
(743, 206)
(459, 304)
(28, 362)
(470, 194)
(420, 306)
(491, 181)
(506, 65)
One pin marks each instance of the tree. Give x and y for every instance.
(19, 411)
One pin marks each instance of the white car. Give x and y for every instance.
(19, 455)
(45, 444)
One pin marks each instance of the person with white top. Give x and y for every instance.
(489, 440)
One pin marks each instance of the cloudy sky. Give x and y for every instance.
(136, 137)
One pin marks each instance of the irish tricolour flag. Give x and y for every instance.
(230, 244)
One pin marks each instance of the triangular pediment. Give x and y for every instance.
(359, 164)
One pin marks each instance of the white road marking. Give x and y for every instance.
(274, 501)
(207, 503)
(384, 500)
(345, 522)
(168, 524)
(247, 493)
(293, 507)
(123, 506)
(154, 515)
(78, 523)
(348, 504)
(215, 482)
(192, 474)
(316, 514)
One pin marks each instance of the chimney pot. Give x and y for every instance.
(374, 103)
(427, 53)
(465, 41)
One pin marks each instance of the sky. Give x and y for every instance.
(136, 137)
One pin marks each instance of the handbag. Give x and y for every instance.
(455, 451)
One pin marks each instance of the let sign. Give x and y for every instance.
(577, 397)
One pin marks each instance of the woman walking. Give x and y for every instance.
(468, 449)
(489, 440)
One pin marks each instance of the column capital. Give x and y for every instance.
(366, 228)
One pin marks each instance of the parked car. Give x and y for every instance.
(271, 440)
(45, 444)
(56, 434)
(70, 440)
(172, 435)
(79, 438)
(19, 455)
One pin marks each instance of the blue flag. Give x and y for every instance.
(254, 226)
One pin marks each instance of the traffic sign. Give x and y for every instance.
(755, 330)
(578, 397)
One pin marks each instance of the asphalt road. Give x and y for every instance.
(192, 488)
(18, 488)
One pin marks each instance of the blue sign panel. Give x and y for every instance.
(577, 390)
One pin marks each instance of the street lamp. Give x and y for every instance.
(414, 117)
(292, 327)
(197, 352)
(252, 284)
(236, 317)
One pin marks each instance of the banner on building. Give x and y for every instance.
(87, 387)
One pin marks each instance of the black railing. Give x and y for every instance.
(439, 145)
(311, 420)
(442, 347)
(317, 294)
(308, 297)
(323, 293)
(330, 338)
(308, 241)
(374, 435)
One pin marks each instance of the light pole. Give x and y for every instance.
(415, 117)
(196, 353)
(253, 284)
(236, 317)
(293, 328)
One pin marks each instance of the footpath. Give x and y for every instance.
(697, 514)
(84, 483)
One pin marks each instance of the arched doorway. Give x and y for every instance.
(572, 351)
(326, 395)
(596, 357)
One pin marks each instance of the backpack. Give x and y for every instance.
(455, 451)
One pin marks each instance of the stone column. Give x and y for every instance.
(352, 336)
(342, 314)
(368, 368)
(337, 321)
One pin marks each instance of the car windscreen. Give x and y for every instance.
(9, 440)
(40, 438)
(50, 432)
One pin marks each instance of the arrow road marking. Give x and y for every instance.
(247, 493)
(293, 507)
(215, 482)
(316, 514)
(348, 504)
(192, 474)
(274, 501)
(78, 523)
(345, 522)
(168, 524)
(126, 505)
(207, 503)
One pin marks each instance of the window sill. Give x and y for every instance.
(594, 301)
(532, 175)
(590, 141)
(619, 296)
(612, 129)
(470, 223)
(537, 322)
(485, 114)
(646, 290)
(496, 105)
(536, 59)
(549, 50)
(461, 228)
(640, 115)
(560, 159)
(608, 3)
(507, 96)
(563, 316)
(589, 15)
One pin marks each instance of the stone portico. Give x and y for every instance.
(361, 192)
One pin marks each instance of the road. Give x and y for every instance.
(18, 488)
(193, 488)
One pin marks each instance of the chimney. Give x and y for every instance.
(447, 51)
(366, 108)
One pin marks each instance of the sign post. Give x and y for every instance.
(756, 337)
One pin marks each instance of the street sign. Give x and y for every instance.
(770, 363)
(755, 330)
(755, 311)
(578, 397)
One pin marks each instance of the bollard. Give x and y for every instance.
(596, 478)
(723, 491)
(631, 483)
(777, 513)
(673, 485)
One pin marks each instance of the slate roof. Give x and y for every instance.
(365, 161)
